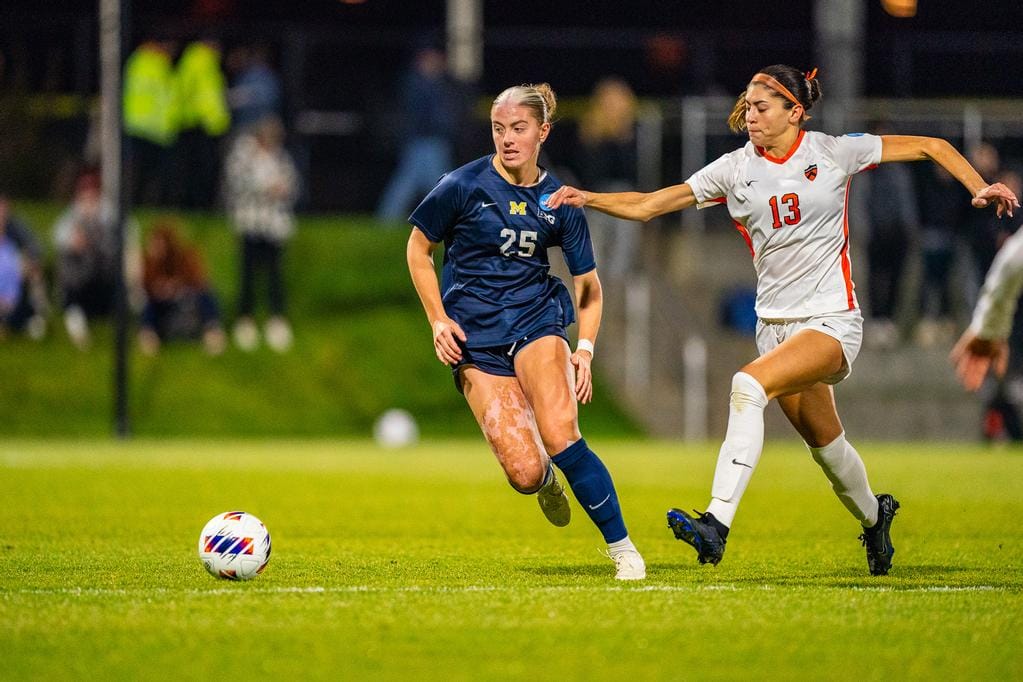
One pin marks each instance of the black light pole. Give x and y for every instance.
(113, 24)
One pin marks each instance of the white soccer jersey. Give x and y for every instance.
(992, 318)
(793, 213)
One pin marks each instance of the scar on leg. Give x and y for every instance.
(509, 427)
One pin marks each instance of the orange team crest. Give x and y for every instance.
(811, 172)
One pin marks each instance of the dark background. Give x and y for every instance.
(959, 48)
(346, 58)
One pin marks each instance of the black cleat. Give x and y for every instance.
(698, 532)
(876, 538)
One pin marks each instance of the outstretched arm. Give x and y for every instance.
(916, 148)
(628, 205)
(446, 332)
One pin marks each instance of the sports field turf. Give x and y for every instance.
(424, 563)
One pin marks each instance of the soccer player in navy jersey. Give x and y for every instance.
(499, 316)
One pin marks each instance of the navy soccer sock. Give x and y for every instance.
(591, 483)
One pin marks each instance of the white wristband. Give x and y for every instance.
(585, 344)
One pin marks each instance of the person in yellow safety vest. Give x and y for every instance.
(150, 118)
(201, 89)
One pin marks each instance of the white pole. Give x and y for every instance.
(637, 339)
(840, 29)
(973, 128)
(465, 39)
(694, 390)
(694, 151)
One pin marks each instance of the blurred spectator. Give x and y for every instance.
(430, 104)
(262, 185)
(150, 119)
(894, 221)
(606, 160)
(87, 259)
(201, 89)
(23, 305)
(255, 91)
(180, 303)
(939, 204)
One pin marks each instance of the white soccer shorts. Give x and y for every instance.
(845, 326)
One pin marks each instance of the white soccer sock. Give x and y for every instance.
(739, 454)
(623, 544)
(844, 468)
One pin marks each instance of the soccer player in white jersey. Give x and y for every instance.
(984, 345)
(787, 191)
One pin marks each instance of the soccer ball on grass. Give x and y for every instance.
(235, 546)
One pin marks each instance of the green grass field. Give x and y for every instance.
(424, 563)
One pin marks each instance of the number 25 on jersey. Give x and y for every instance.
(790, 208)
(526, 243)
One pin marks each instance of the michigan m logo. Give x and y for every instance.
(516, 208)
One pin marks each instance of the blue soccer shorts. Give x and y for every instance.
(500, 360)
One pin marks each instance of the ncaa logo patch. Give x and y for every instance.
(543, 201)
(811, 172)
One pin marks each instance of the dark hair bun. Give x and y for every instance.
(815, 90)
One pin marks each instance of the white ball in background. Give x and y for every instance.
(396, 428)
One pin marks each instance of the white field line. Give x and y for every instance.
(467, 589)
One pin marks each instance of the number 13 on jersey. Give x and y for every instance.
(791, 209)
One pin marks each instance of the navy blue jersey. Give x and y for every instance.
(496, 281)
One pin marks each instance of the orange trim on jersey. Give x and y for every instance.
(788, 154)
(745, 235)
(739, 226)
(846, 264)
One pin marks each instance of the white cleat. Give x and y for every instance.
(629, 565)
(554, 502)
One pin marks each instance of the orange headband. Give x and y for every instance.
(772, 83)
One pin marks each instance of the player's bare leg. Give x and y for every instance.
(794, 365)
(545, 372)
(797, 364)
(814, 415)
(508, 424)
